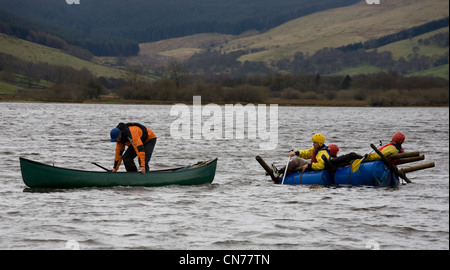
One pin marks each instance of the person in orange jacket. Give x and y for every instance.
(394, 147)
(141, 142)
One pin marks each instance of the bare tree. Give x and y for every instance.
(178, 73)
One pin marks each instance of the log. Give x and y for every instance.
(404, 155)
(411, 159)
(418, 167)
(266, 167)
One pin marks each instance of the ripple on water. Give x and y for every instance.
(242, 209)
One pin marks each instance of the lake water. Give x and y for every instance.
(242, 209)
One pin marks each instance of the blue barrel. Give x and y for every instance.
(374, 173)
(321, 177)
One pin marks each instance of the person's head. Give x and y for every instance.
(115, 132)
(333, 149)
(398, 138)
(318, 140)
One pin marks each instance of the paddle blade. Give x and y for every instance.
(355, 165)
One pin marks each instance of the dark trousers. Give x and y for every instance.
(130, 154)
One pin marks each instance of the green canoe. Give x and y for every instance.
(39, 175)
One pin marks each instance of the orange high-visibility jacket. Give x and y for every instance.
(136, 142)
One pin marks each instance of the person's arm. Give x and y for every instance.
(138, 146)
(306, 154)
(120, 147)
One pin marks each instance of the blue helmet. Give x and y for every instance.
(114, 134)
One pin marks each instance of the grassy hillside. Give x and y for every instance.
(7, 88)
(440, 72)
(331, 28)
(407, 47)
(34, 53)
(338, 27)
(114, 27)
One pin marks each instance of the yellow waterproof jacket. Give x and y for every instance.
(386, 150)
(317, 163)
(136, 142)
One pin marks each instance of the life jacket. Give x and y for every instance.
(126, 134)
(316, 151)
(399, 147)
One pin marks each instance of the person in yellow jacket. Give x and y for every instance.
(394, 147)
(314, 153)
(298, 162)
(141, 142)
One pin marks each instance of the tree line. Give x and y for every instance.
(331, 60)
(402, 35)
(178, 84)
(381, 89)
(324, 61)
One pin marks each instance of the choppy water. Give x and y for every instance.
(242, 209)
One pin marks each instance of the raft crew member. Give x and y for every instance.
(315, 154)
(296, 164)
(342, 160)
(142, 141)
(333, 149)
(394, 147)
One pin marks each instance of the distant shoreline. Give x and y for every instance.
(278, 101)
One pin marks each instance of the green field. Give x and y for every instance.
(405, 49)
(440, 72)
(408, 47)
(35, 53)
(6, 88)
(16, 82)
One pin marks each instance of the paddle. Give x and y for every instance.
(100, 166)
(357, 163)
(286, 168)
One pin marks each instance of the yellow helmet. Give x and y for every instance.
(318, 138)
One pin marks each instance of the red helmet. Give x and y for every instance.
(398, 138)
(334, 149)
